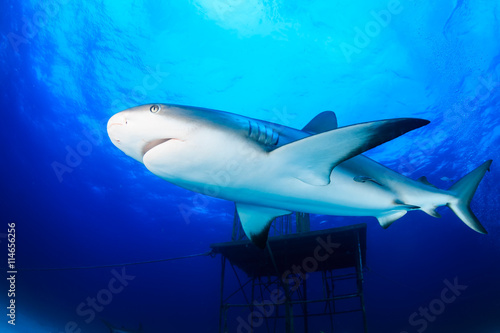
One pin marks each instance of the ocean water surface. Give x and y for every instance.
(77, 201)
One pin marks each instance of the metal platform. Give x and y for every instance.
(291, 249)
(322, 252)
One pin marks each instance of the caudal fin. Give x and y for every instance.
(463, 191)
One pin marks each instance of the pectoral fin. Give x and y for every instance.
(312, 159)
(256, 221)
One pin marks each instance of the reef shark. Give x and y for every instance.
(270, 170)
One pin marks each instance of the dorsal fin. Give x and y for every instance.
(323, 122)
(424, 180)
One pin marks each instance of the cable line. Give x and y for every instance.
(117, 265)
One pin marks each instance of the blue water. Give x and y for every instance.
(67, 66)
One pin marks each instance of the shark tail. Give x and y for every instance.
(463, 191)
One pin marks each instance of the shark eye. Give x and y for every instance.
(154, 108)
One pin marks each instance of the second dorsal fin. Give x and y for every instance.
(424, 180)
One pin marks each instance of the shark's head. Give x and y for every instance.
(140, 129)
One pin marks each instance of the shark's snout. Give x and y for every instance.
(115, 124)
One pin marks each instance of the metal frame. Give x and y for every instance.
(263, 286)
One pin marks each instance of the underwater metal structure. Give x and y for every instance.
(282, 281)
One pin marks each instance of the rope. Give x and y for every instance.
(209, 253)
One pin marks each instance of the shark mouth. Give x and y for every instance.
(151, 144)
